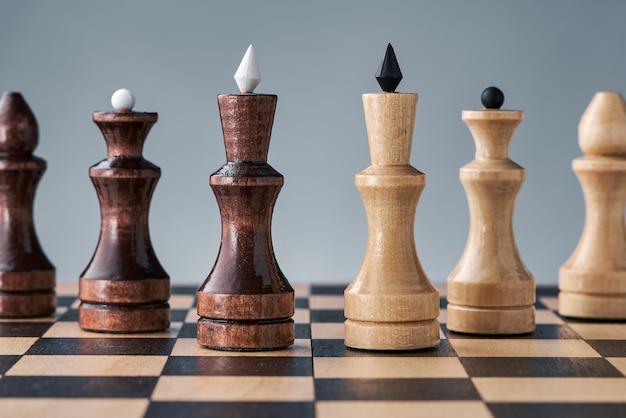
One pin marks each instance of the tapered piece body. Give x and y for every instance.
(246, 303)
(491, 291)
(592, 282)
(27, 278)
(391, 304)
(124, 288)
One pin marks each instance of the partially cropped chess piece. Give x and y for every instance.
(491, 290)
(26, 275)
(124, 288)
(391, 304)
(592, 282)
(246, 303)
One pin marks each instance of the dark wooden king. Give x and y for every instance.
(124, 288)
(246, 303)
(26, 276)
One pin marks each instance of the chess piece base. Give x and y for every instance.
(27, 304)
(124, 319)
(589, 306)
(391, 335)
(245, 335)
(491, 321)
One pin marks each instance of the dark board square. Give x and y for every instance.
(6, 362)
(71, 315)
(609, 348)
(337, 348)
(76, 387)
(238, 366)
(327, 315)
(394, 389)
(302, 303)
(538, 367)
(178, 315)
(557, 410)
(547, 291)
(188, 331)
(183, 290)
(66, 301)
(230, 409)
(302, 331)
(102, 346)
(24, 329)
(320, 289)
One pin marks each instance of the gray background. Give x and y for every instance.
(549, 57)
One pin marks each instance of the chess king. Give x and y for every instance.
(391, 304)
(246, 303)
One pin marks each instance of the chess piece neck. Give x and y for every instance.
(390, 118)
(125, 132)
(492, 131)
(247, 121)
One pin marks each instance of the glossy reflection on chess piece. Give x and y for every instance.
(491, 291)
(27, 278)
(124, 288)
(592, 282)
(391, 304)
(246, 303)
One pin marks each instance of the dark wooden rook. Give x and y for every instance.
(246, 303)
(26, 275)
(124, 288)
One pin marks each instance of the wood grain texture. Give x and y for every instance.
(27, 278)
(391, 304)
(592, 282)
(246, 302)
(491, 291)
(124, 288)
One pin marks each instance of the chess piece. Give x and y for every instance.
(491, 290)
(246, 303)
(592, 282)
(26, 276)
(124, 288)
(391, 304)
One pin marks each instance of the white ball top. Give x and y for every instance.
(123, 100)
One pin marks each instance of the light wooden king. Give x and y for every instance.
(391, 304)
(592, 282)
(491, 291)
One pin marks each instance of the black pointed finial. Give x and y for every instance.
(389, 74)
(492, 98)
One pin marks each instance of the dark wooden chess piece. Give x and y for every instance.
(124, 288)
(246, 303)
(26, 275)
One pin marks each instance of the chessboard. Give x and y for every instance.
(49, 367)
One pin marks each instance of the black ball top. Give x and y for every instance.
(492, 98)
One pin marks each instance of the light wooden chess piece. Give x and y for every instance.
(592, 282)
(491, 291)
(391, 304)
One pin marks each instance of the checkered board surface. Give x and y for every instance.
(49, 367)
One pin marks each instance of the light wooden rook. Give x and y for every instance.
(592, 282)
(391, 304)
(491, 291)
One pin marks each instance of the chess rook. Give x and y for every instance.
(27, 278)
(390, 304)
(592, 282)
(491, 291)
(246, 303)
(124, 288)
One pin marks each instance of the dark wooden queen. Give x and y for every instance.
(124, 288)
(27, 278)
(246, 303)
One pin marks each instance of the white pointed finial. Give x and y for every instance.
(247, 75)
(123, 100)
